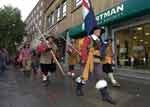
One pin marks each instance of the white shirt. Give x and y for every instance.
(94, 37)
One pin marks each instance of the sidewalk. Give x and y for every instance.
(19, 91)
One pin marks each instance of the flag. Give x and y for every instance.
(88, 16)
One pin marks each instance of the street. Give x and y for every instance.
(16, 90)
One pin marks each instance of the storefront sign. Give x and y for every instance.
(110, 13)
(123, 11)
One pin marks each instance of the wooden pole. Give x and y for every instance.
(60, 67)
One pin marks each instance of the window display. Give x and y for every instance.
(133, 47)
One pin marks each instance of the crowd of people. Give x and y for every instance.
(96, 58)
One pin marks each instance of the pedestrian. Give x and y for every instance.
(35, 62)
(107, 66)
(92, 63)
(47, 62)
(2, 61)
(72, 58)
(26, 53)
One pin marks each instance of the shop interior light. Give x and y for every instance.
(147, 33)
(139, 28)
(141, 40)
(134, 37)
(146, 42)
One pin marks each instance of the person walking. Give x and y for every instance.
(92, 63)
(72, 58)
(107, 66)
(47, 63)
(2, 61)
(26, 53)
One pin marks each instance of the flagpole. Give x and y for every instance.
(69, 44)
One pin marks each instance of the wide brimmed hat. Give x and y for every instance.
(109, 38)
(96, 28)
(49, 36)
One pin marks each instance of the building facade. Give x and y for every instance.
(64, 14)
(36, 17)
(126, 21)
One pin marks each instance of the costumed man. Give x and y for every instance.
(47, 63)
(107, 66)
(92, 63)
(72, 58)
(26, 59)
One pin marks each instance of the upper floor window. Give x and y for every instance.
(64, 10)
(34, 12)
(53, 18)
(40, 22)
(78, 3)
(58, 14)
(41, 13)
(49, 20)
(37, 8)
(41, 4)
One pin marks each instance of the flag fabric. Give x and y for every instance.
(88, 16)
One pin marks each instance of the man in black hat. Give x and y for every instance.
(92, 64)
(47, 62)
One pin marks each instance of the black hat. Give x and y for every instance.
(50, 37)
(109, 38)
(96, 28)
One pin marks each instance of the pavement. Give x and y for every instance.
(17, 90)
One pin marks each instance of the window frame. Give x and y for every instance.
(78, 3)
(64, 8)
(58, 13)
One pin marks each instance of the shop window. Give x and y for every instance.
(78, 3)
(133, 47)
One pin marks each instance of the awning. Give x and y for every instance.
(122, 11)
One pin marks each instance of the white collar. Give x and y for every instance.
(94, 37)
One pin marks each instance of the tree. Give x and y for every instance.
(12, 28)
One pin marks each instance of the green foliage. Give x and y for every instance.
(12, 28)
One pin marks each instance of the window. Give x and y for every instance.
(33, 29)
(40, 22)
(41, 13)
(34, 12)
(41, 4)
(133, 47)
(78, 3)
(64, 10)
(49, 20)
(37, 17)
(32, 15)
(58, 14)
(53, 18)
(37, 8)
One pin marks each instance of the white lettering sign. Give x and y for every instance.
(114, 11)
